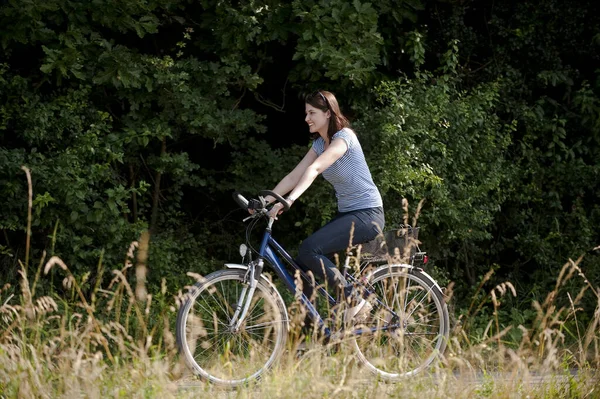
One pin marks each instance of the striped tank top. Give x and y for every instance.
(350, 175)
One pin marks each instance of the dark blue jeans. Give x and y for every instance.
(316, 251)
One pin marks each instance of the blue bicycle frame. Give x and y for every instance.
(269, 248)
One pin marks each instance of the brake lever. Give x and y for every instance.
(257, 213)
(257, 204)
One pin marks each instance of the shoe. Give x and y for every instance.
(358, 313)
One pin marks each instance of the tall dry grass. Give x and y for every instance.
(117, 341)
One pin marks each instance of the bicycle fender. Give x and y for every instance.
(269, 282)
(408, 269)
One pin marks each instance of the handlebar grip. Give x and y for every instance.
(240, 200)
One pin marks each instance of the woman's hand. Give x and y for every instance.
(276, 210)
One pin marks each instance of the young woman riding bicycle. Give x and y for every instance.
(233, 324)
(335, 153)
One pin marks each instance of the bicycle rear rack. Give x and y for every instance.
(398, 245)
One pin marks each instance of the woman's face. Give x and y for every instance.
(317, 120)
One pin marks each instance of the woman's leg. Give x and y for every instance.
(345, 230)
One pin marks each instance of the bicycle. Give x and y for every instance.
(234, 323)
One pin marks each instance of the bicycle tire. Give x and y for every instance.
(422, 325)
(225, 357)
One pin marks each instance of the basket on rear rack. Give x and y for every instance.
(400, 244)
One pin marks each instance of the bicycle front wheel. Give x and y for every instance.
(211, 344)
(408, 327)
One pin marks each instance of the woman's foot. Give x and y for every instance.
(358, 313)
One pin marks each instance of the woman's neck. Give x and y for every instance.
(324, 136)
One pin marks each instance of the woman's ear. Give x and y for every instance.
(328, 114)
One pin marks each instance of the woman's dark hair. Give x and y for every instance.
(325, 100)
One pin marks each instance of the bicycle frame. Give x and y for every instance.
(269, 250)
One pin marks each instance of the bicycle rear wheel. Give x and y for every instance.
(407, 328)
(215, 350)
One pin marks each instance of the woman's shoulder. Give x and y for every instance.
(347, 134)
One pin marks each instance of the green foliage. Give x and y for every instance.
(337, 37)
(147, 114)
(430, 139)
(548, 216)
(104, 138)
(243, 26)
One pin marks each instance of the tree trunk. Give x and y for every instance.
(156, 195)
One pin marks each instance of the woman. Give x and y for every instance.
(337, 154)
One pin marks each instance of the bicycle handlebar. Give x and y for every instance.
(240, 200)
(260, 203)
(279, 198)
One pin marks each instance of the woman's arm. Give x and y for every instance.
(309, 173)
(291, 179)
(336, 149)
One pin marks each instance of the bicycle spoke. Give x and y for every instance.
(220, 351)
(262, 325)
(405, 328)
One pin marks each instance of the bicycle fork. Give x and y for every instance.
(245, 299)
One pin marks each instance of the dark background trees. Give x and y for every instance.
(148, 114)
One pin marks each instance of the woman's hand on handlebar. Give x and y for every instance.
(261, 204)
(271, 212)
(255, 204)
(276, 210)
(279, 208)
